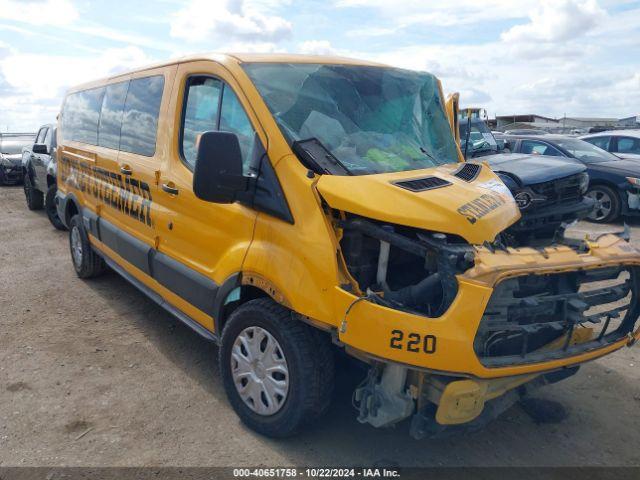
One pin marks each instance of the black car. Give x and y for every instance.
(39, 169)
(549, 191)
(11, 145)
(614, 183)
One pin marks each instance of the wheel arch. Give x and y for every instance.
(608, 183)
(237, 290)
(71, 207)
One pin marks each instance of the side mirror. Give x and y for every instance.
(217, 176)
(40, 148)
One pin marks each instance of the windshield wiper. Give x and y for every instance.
(315, 156)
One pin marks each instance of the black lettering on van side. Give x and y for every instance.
(128, 195)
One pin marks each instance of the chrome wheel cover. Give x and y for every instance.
(602, 206)
(259, 370)
(76, 247)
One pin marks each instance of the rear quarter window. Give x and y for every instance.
(81, 114)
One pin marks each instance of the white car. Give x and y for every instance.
(623, 143)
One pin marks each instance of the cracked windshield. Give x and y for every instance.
(371, 119)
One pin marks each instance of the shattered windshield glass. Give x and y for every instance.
(372, 119)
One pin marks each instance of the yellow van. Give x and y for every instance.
(288, 207)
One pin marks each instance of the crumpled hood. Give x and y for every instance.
(476, 211)
(533, 169)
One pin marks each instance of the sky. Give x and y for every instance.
(550, 57)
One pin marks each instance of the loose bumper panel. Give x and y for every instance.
(533, 318)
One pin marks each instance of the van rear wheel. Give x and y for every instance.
(277, 371)
(86, 261)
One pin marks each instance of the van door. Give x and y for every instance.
(202, 244)
(129, 158)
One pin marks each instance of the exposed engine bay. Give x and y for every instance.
(403, 267)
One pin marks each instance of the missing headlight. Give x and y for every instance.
(404, 267)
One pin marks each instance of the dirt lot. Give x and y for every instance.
(93, 373)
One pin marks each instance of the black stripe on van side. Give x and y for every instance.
(198, 290)
(127, 246)
(192, 286)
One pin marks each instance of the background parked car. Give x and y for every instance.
(549, 191)
(614, 183)
(526, 131)
(11, 145)
(39, 168)
(622, 143)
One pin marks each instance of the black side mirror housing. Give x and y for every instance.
(217, 176)
(40, 148)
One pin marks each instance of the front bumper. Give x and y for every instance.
(445, 344)
(11, 172)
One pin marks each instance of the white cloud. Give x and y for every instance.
(229, 20)
(316, 47)
(42, 12)
(557, 21)
(33, 98)
(371, 32)
(442, 14)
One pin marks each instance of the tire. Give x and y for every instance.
(308, 366)
(86, 262)
(607, 204)
(35, 199)
(51, 208)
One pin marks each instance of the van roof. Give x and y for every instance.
(238, 58)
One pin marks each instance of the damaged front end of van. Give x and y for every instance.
(455, 321)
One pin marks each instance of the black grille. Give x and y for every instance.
(468, 172)
(422, 184)
(535, 318)
(564, 191)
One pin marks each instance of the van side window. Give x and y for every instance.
(80, 116)
(111, 115)
(201, 113)
(140, 118)
(234, 119)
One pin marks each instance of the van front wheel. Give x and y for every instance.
(277, 371)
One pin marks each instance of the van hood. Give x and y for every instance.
(476, 210)
(533, 169)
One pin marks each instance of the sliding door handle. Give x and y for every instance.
(125, 170)
(170, 188)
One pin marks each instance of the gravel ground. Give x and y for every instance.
(93, 373)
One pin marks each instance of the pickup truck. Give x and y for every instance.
(39, 169)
